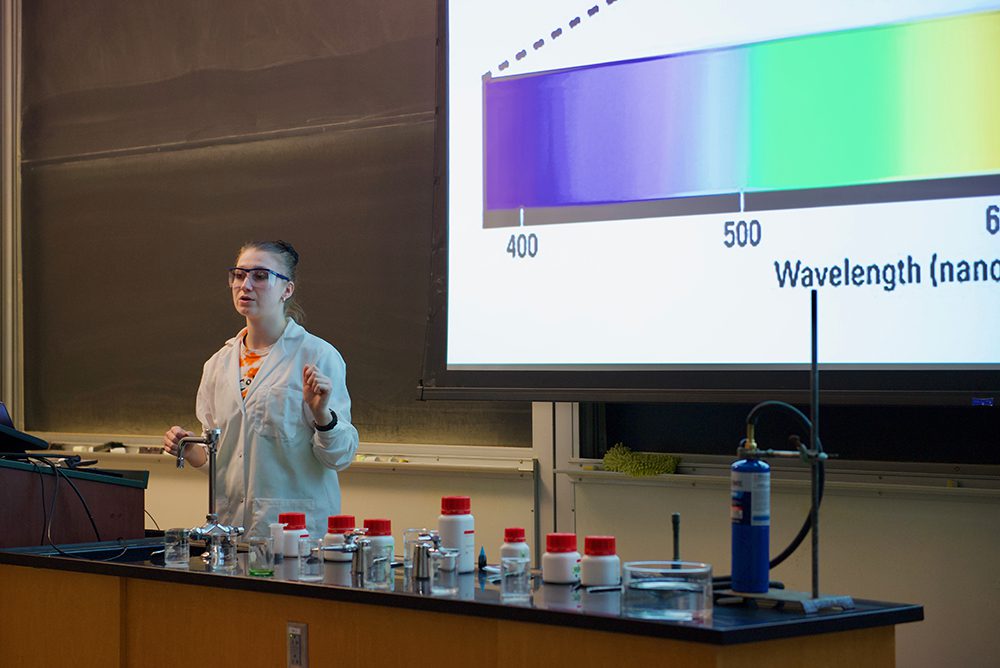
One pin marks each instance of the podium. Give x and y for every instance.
(116, 503)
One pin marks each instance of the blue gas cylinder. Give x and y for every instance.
(751, 518)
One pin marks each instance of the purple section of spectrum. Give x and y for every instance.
(621, 132)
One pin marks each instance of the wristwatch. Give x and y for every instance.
(331, 425)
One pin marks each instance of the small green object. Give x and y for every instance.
(638, 464)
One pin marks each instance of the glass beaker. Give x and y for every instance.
(221, 553)
(260, 556)
(668, 590)
(310, 559)
(176, 548)
(515, 579)
(444, 571)
(378, 567)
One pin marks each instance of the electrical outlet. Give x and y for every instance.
(297, 634)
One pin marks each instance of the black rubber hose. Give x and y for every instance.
(806, 526)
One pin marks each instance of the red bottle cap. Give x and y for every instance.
(340, 523)
(379, 527)
(599, 546)
(293, 521)
(560, 542)
(513, 535)
(456, 505)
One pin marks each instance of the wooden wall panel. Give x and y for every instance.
(161, 135)
(148, 623)
(34, 611)
(248, 629)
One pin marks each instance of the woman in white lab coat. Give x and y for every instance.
(279, 395)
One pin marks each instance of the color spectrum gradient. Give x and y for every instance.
(891, 103)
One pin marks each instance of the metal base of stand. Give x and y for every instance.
(783, 598)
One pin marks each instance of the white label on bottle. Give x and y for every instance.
(751, 498)
(467, 559)
(760, 499)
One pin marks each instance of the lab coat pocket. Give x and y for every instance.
(283, 414)
(265, 511)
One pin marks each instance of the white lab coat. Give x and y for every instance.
(270, 458)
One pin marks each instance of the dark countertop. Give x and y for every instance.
(138, 479)
(561, 605)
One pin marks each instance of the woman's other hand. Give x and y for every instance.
(171, 443)
(172, 439)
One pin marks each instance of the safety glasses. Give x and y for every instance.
(259, 277)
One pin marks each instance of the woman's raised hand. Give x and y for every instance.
(316, 389)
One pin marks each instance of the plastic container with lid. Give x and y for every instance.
(457, 529)
(295, 528)
(600, 564)
(514, 544)
(380, 534)
(336, 527)
(277, 533)
(561, 561)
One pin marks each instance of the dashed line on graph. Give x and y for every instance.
(554, 35)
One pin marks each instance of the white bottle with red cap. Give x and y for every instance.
(295, 528)
(380, 534)
(514, 544)
(561, 561)
(336, 527)
(457, 529)
(600, 564)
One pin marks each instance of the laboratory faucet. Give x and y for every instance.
(209, 440)
(426, 549)
(220, 539)
(358, 546)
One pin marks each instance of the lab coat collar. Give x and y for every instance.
(293, 333)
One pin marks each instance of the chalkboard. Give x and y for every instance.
(157, 137)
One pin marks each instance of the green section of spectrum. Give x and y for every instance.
(824, 110)
(900, 102)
